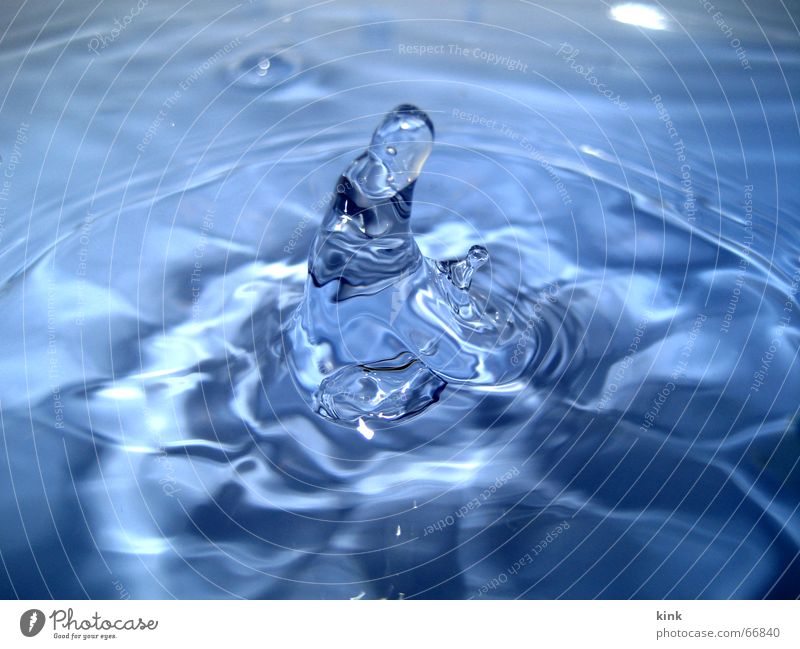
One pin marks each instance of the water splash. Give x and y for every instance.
(382, 329)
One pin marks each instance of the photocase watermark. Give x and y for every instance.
(472, 504)
(82, 267)
(733, 42)
(523, 142)
(760, 375)
(613, 384)
(744, 261)
(569, 53)
(547, 294)
(401, 289)
(195, 279)
(525, 560)
(10, 168)
(99, 42)
(53, 365)
(155, 425)
(120, 589)
(297, 232)
(31, 622)
(66, 626)
(686, 184)
(487, 57)
(651, 416)
(187, 82)
(317, 207)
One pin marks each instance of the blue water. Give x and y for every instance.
(565, 367)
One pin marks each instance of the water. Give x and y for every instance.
(574, 374)
(381, 329)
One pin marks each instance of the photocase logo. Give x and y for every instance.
(400, 293)
(31, 622)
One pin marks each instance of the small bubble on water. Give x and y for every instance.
(264, 69)
(477, 256)
(391, 150)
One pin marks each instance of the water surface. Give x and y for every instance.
(631, 174)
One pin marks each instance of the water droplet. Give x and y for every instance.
(264, 69)
(477, 256)
(391, 150)
(460, 271)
